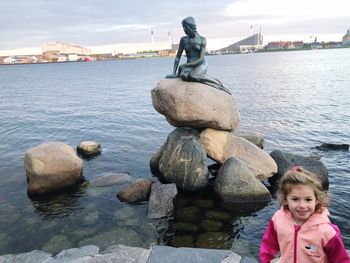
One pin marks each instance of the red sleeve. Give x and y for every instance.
(269, 244)
(335, 249)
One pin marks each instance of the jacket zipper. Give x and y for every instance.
(296, 230)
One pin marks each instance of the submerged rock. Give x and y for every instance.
(332, 146)
(136, 191)
(110, 179)
(89, 148)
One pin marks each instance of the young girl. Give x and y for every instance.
(301, 230)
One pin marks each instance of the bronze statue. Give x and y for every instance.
(195, 68)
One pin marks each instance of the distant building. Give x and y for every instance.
(251, 43)
(72, 52)
(278, 45)
(346, 39)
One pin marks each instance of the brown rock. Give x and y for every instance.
(136, 191)
(195, 105)
(51, 167)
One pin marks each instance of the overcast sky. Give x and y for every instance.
(126, 25)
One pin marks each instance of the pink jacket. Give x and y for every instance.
(317, 240)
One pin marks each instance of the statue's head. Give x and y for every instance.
(189, 22)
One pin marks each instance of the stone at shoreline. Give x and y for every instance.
(252, 137)
(196, 105)
(285, 161)
(161, 200)
(35, 256)
(52, 167)
(110, 179)
(136, 191)
(220, 145)
(214, 240)
(184, 161)
(89, 148)
(164, 254)
(235, 183)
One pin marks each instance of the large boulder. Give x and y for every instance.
(285, 161)
(235, 183)
(196, 105)
(184, 161)
(52, 167)
(252, 137)
(221, 145)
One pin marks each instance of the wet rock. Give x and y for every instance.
(52, 167)
(89, 148)
(126, 217)
(235, 183)
(188, 214)
(184, 227)
(196, 105)
(161, 201)
(110, 179)
(285, 161)
(136, 191)
(218, 240)
(123, 254)
(91, 218)
(119, 235)
(184, 161)
(57, 243)
(210, 225)
(217, 215)
(154, 162)
(182, 241)
(204, 203)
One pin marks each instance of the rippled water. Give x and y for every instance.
(297, 100)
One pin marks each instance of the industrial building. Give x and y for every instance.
(61, 52)
(249, 44)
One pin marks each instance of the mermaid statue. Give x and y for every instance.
(195, 68)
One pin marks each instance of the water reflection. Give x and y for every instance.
(61, 204)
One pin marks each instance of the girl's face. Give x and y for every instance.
(301, 202)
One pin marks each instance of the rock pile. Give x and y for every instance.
(206, 121)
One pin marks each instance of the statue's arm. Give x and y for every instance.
(177, 59)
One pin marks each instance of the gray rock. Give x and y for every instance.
(154, 162)
(136, 191)
(51, 167)
(110, 179)
(75, 253)
(34, 256)
(252, 137)
(164, 254)
(235, 183)
(161, 200)
(248, 260)
(232, 258)
(57, 243)
(184, 160)
(285, 161)
(332, 146)
(196, 105)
